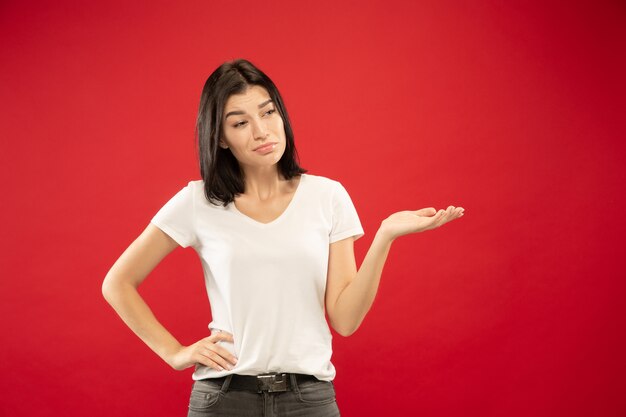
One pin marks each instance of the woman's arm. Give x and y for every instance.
(350, 294)
(120, 291)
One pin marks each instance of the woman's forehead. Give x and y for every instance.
(252, 97)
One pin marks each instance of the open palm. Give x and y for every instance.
(408, 221)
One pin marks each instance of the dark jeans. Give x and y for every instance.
(309, 399)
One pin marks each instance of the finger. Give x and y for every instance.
(224, 353)
(218, 332)
(429, 211)
(224, 336)
(211, 345)
(211, 364)
(215, 337)
(439, 218)
(217, 359)
(447, 215)
(204, 358)
(452, 213)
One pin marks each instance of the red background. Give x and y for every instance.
(513, 110)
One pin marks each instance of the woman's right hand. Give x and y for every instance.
(205, 352)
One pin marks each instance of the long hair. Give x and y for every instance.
(223, 178)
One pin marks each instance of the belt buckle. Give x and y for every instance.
(272, 382)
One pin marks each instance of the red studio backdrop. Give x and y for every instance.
(512, 110)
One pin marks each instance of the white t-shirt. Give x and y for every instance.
(266, 281)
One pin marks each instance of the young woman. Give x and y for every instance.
(276, 246)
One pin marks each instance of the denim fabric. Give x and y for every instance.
(310, 399)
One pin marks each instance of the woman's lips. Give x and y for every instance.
(269, 147)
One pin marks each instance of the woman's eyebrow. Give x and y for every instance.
(234, 112)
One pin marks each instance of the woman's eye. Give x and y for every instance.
(243, 122)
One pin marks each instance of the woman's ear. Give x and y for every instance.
(223, 144)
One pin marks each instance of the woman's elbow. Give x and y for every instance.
(346, 334)
(110, 287)
(107, 288)
(344, 330)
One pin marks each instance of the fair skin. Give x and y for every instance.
(349, 292)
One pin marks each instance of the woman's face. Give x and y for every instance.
(253, 128)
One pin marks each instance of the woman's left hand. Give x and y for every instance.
(405, 222)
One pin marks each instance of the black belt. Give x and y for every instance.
(272, 382)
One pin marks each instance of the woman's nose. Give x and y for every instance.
(260, 131)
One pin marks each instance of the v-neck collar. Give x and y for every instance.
(293, 201)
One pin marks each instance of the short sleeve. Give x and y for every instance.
(176, 217)
(346, 221)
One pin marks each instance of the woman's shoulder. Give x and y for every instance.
(196, 188)
(196, 183)
(320, 180)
